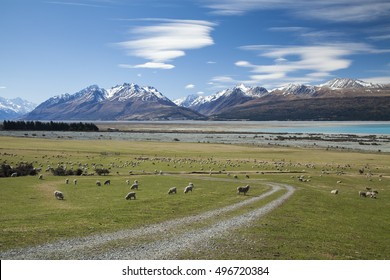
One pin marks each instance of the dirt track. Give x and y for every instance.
(158, 241)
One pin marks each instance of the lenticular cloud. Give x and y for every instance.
(167, 41)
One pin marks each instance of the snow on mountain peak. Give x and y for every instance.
(349, 83)
(127, 91)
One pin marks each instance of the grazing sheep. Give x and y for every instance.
(189, 188)
(66, 181)
(134, 186)
(14, 174)
(362, 194)
(75, 181)
(40, 177)
(107, 182)
(98, 183)
(59, 195)
(371, 194)
(243, 189)
(172, 190)
(128, 182)
(338, 182)
(334, 191)
(130, 195)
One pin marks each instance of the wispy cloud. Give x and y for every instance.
(189, 86)
(3, 87)
(305, 63)
(167, 41)
(93, 3)
(328, 10)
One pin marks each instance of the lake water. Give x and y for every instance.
(378, 128)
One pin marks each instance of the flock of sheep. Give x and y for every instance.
(132, 195)
(367, 193)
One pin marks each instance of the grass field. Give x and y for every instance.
(312, 224)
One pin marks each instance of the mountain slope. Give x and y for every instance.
(224, 100)
(122, 102)
(337, 100)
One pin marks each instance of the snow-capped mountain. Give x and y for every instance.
(223, 100)
(338, 99)
(121, 102)
(14, 108)
(340, 83)
(296, 89)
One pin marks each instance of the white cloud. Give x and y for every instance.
(377, 80)
(3, 87)
(305, 63)
(167, 40)
(328, 10)
(189, 86)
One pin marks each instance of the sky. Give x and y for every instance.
(182, 47)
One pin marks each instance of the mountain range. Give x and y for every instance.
(338, 99)
(14, 108)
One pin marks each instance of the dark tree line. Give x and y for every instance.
(48, 126)
(22, 169)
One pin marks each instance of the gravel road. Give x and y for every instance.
(157, 241)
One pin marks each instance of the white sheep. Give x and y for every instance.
(243, 189)
(66, 181)
(75, 181)
(107, 182)
(98, 183)
(189, 188)
(130, 195)
(334, 191)
(40, 177)
(128, 182)
(134, 186)
(172, 190)
(59, 195)
(14, 174)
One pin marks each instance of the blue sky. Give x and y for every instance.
(51, 47)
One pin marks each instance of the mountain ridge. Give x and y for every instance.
(130, 101)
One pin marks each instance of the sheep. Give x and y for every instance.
(338, 182)
(40, 177)
(134, 186)
(172, 190)
(107, 182)
(67, 181)
(130, 195)
(128, 182)
(362, 194)
(14, 174)
(371, 194)
(334, 191)
(243, 189)
(189, 188)
(59, 195)
(75, 181)
(98, 183)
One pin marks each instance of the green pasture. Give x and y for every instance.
(312, 224)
